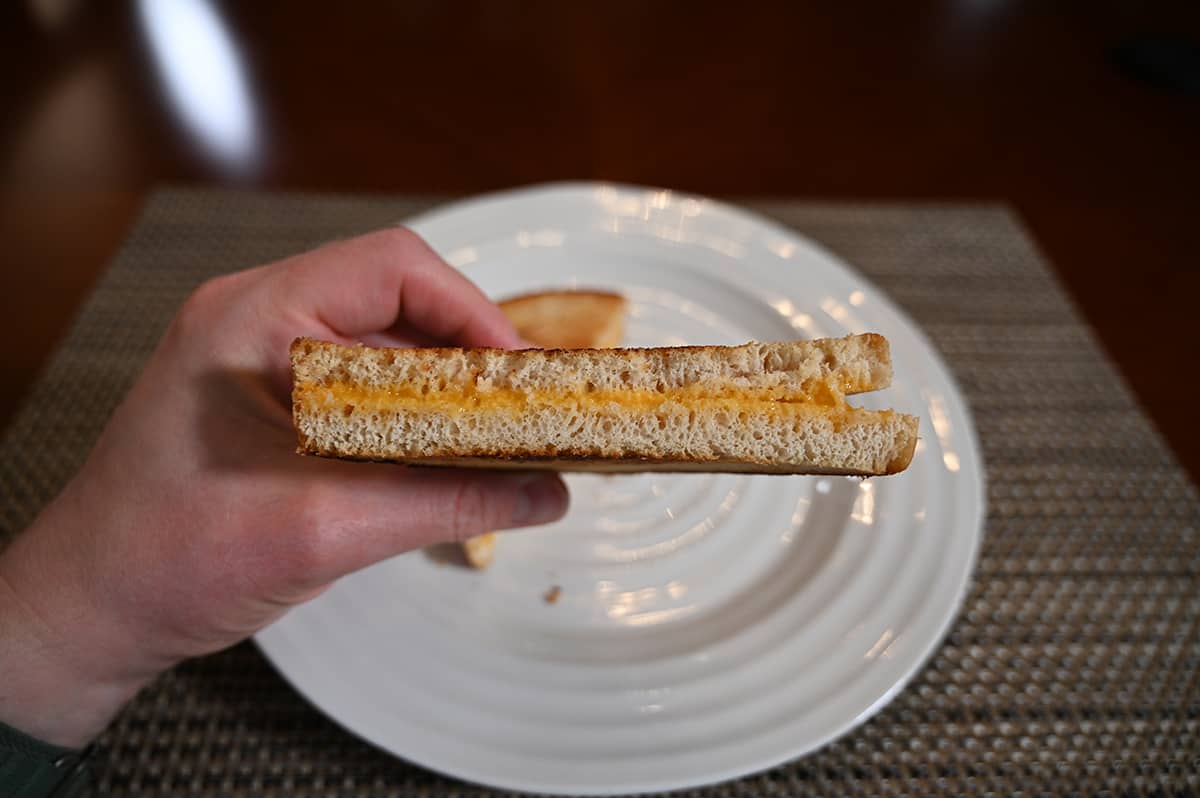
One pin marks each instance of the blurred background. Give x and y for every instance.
(1084, 117)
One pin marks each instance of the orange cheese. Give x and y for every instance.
(457, 399)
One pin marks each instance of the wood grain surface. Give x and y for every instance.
(1031, 103)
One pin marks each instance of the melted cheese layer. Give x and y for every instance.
(351, 398)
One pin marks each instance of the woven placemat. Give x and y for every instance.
(1073, 669)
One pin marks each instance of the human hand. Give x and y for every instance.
(194, 524)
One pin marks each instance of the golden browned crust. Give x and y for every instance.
(555, 294)
(302, 347)
(903, 458)
(591, 463)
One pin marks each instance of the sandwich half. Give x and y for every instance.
(775, 408)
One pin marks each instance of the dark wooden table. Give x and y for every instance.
(1030, 103)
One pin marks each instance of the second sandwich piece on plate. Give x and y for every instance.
(761, 407)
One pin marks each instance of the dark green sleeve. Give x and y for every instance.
(30, 768)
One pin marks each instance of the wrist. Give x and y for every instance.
(64, 674)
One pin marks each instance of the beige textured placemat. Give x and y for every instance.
(1073, 669)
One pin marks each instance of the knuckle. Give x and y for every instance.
(401, 236)
(404, 243)
(307, 541)
(471, 509)
(197, 310)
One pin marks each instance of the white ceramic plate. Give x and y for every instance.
(708, 626)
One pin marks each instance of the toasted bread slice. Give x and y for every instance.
(759, 407)
(568, 319)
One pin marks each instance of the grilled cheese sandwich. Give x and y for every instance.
(774, 407)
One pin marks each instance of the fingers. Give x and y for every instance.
(375, 282)
(361, 518)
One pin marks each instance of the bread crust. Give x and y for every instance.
(631, 465)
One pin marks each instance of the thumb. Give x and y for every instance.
(370, 517)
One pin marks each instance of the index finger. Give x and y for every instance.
(374, 282)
